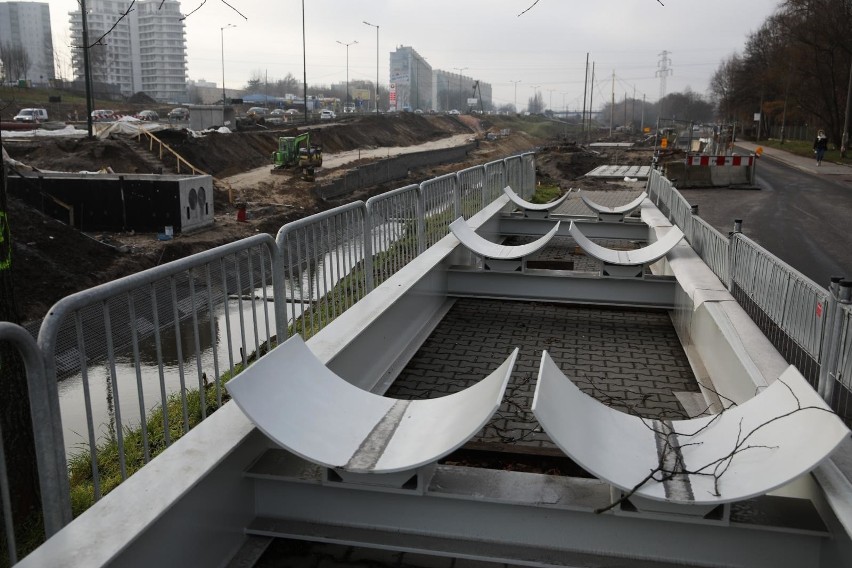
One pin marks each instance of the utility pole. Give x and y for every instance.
(516, 94)
(663, 72)
(612, 103)
(844, 141)
(304, 63)
(87, 72)
(591, 98)
(642, 128)
(585, 85)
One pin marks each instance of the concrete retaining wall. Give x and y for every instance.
(390, 169)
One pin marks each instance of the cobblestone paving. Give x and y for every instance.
(629, 359)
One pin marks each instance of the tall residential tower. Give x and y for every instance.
(145, 51)
(27, 25)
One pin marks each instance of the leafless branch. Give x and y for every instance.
(715, 468)
(203, 2)
(106, 33)
(528, 9)
(234, 9)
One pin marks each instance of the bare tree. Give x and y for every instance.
(16, 61)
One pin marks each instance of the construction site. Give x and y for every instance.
(360, 157)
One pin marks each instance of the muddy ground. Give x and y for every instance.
(52, 260)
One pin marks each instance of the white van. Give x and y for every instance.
(31, 115)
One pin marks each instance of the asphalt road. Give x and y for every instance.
(800, 213)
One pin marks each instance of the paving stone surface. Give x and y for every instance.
(628, 359)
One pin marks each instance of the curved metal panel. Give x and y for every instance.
(481, 246)
(305, 408)
(748, 450)
(645, 255)
(526, 205)
(621, 209)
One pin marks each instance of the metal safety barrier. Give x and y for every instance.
(144, 358)
(119, 338)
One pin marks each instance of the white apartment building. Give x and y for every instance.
(145, 51)
(27, 25)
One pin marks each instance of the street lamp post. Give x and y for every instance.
(345, 104)
(460, 69)
(222, 33)
(516, 93)
(377, 64)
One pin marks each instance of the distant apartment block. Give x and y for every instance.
(27, 25)
(145, 51)
(410, 80)
(453, 91)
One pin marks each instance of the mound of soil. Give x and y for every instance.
(51, 260)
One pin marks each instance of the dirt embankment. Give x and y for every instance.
(51, 260)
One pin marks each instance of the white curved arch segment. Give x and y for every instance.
(625, 209)
(483, 247)
(644, 255)
(529, 207)
(753, 448)
(307, 409)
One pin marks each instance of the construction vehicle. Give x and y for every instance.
(297, 154)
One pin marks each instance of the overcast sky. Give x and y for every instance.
(544, 49)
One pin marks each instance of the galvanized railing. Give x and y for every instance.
(792, 311)
(41, 394)
(159, 345)
(327, 264)
(835, 379)
(122, 336)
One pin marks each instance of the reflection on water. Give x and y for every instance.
(214, 354)
(188, 355)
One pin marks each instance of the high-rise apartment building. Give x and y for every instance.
(26, 25)
(410, 80)
(144, 51)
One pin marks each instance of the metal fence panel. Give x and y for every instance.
(49, 451)
(327, 266)
(440, 206)
(839, 394)
(527, 175)
(168, 333)
(394, 220)
(515, 174)
(781, 301)
(495, 180)
(712, 246)
(471, 186)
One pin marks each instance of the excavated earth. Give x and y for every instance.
(52, 260)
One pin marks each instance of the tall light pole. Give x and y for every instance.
(460, 69)
(345, 104)
(222, 33)
(516, 93)
(304, 64)
(377, 64)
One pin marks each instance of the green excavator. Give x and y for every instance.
(298, 155)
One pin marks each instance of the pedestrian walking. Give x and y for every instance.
(820, 146)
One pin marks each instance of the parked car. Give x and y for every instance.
(278, 112)
(291, 111)
(349, 109)
(103, 115)
(327, 115)
(179, 113)
(454, 111)
(257, 112)
(31, 115)
(148, 115)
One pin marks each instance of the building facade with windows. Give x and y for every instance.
(143, 50)
(410, 80)
(26, 25)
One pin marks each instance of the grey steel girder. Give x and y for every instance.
(519, 226)
(521, 518)
(563, 286)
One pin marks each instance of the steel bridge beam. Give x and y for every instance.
(519, 226)
(563, 286)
